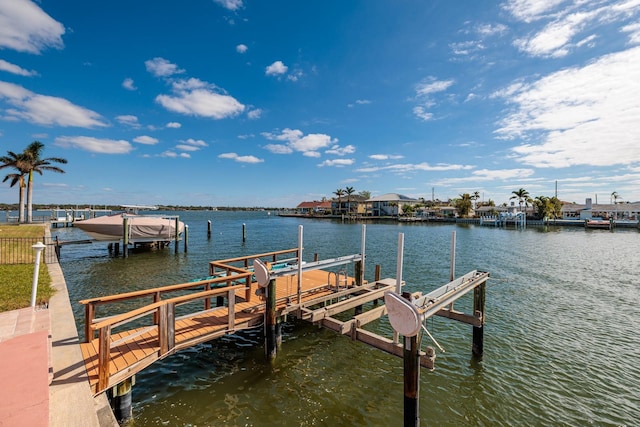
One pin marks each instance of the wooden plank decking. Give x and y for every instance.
(133, 350)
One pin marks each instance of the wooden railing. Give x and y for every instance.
(164, 312)
(227, 267)
(214, 283)
(225, 280)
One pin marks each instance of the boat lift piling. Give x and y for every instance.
(125, 237)
(407, 313)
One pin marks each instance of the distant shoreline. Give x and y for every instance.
(477, 221)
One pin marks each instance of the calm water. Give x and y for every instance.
(561, 339)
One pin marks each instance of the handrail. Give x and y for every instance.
(90, 304)
(242, 258)
(162, 289)
(165, 331)
(121, 319)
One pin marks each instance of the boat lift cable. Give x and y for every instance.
(432, 338)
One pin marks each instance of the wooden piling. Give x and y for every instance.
(411, 355)
(358, 272)
(244, 232)
(177, 225)
(186, 238)
(270, 334)
(209, 229)
(478, 310)
(120, 400)
(125, 237)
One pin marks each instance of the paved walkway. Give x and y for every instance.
(42, 373)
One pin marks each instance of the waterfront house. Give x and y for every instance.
(389, 204)
(348, 205)
(588, 210)
(314, 208)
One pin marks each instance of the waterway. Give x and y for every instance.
(560, 342)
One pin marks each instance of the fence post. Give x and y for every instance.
(36, 271)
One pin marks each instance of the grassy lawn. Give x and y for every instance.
(16, 279)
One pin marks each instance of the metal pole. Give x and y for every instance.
(300, 235)
(452, 267)
(364, 239)
(209, 229)
(399, 273)
(36, 271)
(177, 231)
(186, 237)
(125, 236)
(244, 232)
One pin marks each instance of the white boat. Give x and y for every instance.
(140, 228)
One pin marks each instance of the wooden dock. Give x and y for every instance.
(221, 304)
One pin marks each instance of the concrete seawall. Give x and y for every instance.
(71, 402)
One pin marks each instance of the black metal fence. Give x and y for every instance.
(19, 250)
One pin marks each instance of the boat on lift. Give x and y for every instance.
(138, 228)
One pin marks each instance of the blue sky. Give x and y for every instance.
(271, 103)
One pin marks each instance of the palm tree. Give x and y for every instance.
(16, 161)
(33, 163)
(521, 195)
(475, 196)
(615, 197)
(464, 204)
(349, 191)
(339, 192)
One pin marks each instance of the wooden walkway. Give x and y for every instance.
(222, 304)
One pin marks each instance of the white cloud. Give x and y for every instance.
(569, 24)
(634, 32)
(337, 162)
(424, 95)
(241, 48)
(359, 102)
(530, 10)
(160, 67)
(554, 39)
(240, 159)
(254, 114)
(230, 4)
(197, 98)
(578, 116)
(173, 154)
(411, 167)
(128, 120)
(278, 148)
(46, 110)
(25, 27)
(385, 157)
(146, 140)
(128, 84)
(192, 145)
(308, 145)
(432, 85)
(276, 69)
(14, 69)
(174, 125)
(94, 145)
(422, 113)
(341, 151)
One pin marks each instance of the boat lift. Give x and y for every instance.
(407, 313)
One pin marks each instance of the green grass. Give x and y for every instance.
(16, 279)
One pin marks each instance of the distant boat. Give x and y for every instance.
(598, 223)
(141, 228)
